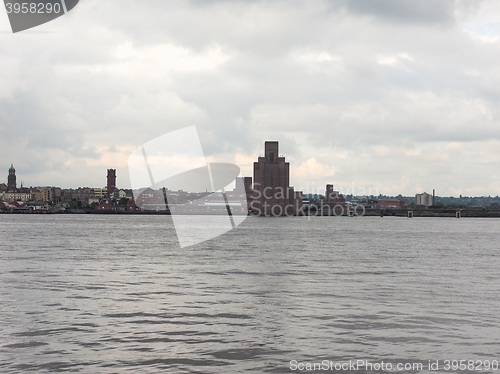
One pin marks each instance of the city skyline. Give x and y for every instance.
(397, 98)
(111, 185)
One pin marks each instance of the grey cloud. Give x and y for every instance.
(337, 77)
(406, 11)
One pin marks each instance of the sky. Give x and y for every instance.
(372, 96)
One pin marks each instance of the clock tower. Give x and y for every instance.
(11, 181)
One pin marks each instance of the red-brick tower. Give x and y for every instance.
(111, 182)
(272, 192)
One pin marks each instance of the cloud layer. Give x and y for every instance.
(399, 97)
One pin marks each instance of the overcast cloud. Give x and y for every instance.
(396, 96)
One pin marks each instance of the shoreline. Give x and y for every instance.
(403, 213)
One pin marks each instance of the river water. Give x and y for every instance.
(117, 294)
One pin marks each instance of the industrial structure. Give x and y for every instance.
(424, 199)
(272, 194)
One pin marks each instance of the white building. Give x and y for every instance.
(17, 196)
(100, 192)
(425, 199)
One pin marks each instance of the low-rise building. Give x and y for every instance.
(82, 194)
(46, 194)
(17, 196)
(101, 193)
(94, 200)
(120, 194)
(104, 207)
(392, 204)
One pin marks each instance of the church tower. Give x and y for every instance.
(11, 181)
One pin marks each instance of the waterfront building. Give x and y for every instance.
(425, 199)
(119, 194)
(391, 203)
(82, 194)
(332, 196)
(333, 203)
(104, 207)
(100, 193)
(46, 194)
(272, 194)
(93, 200)
(21, 195)
(42, 194)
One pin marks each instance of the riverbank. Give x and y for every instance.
(463, 213)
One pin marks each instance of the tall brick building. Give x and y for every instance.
(332, 196)
(111, 186)
(273, 195)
